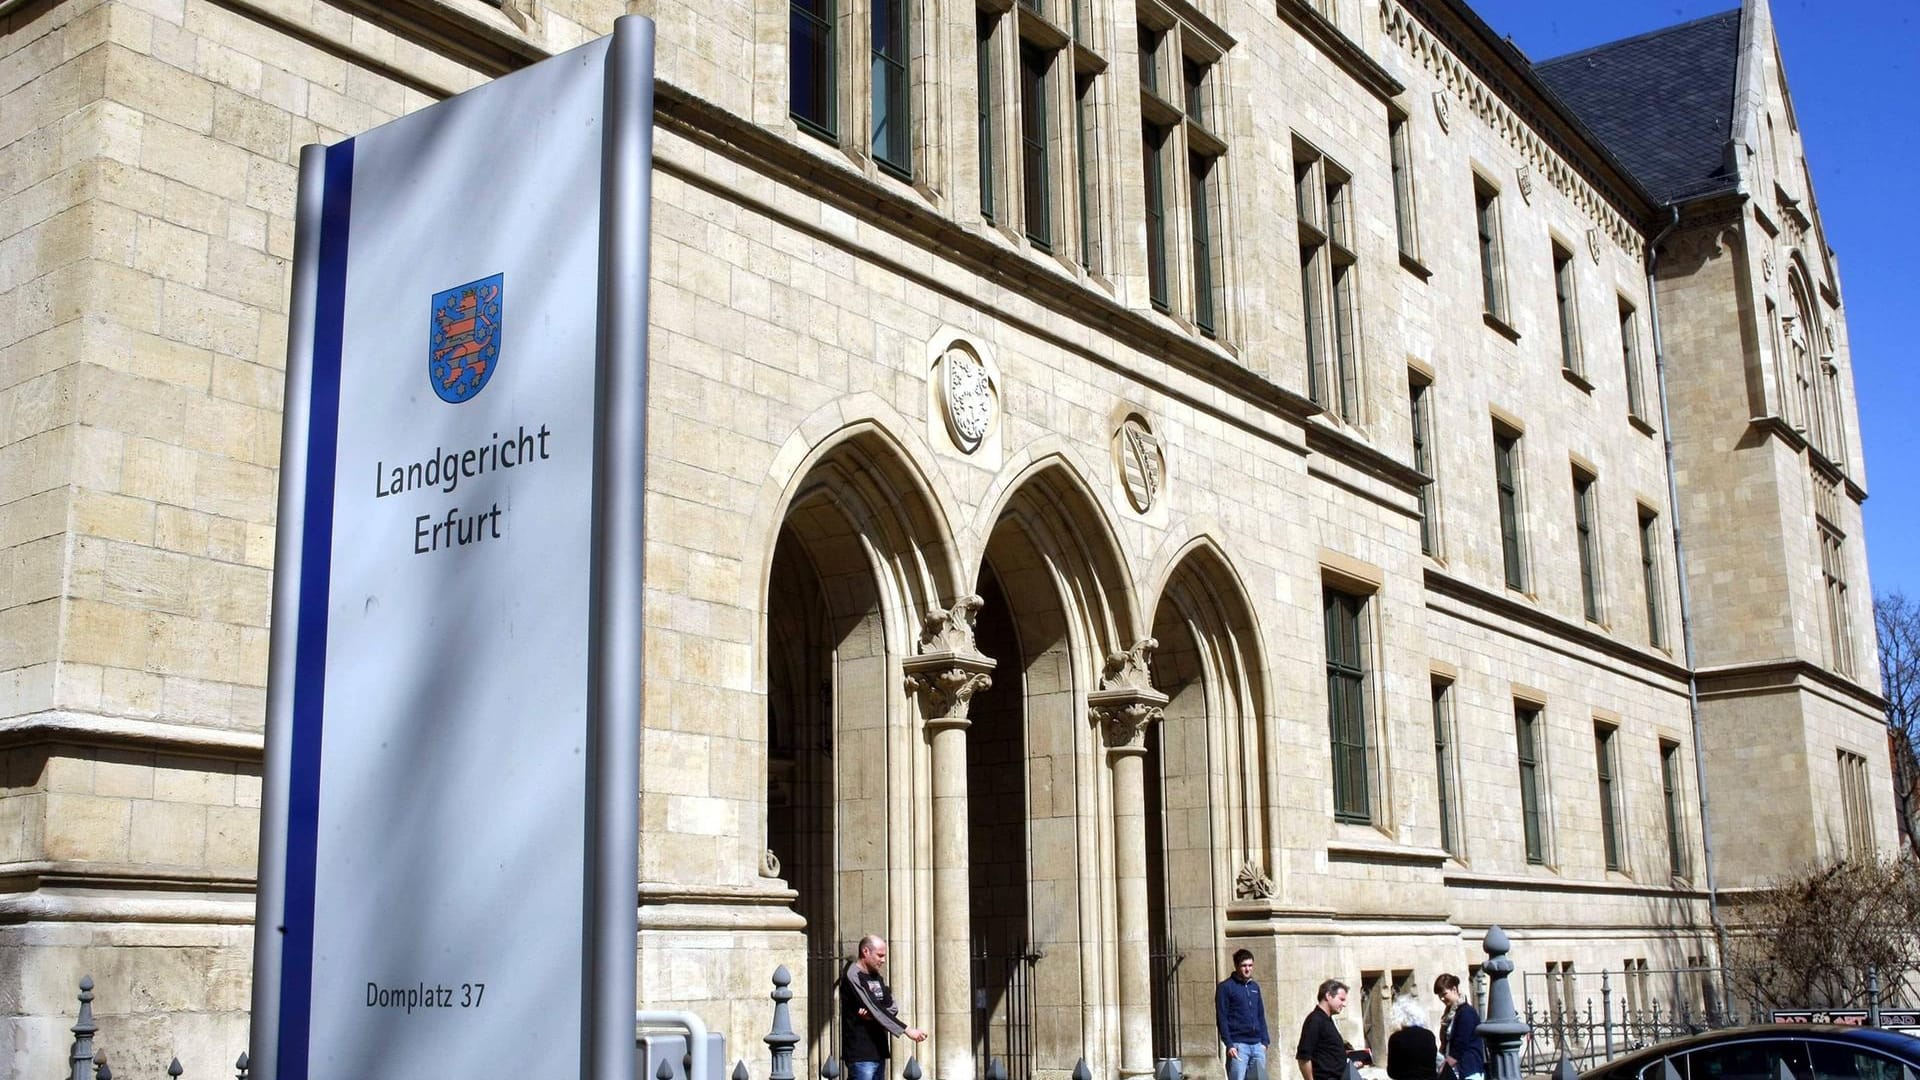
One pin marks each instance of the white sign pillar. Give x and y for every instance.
(449, 829)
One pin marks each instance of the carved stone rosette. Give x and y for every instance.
(1126, 702)
(1251, 883)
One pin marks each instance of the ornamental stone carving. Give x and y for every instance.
(949, 670)
(1441, 110)
(969, 397)
(950, 629)
(1142, 463)
(769, 864)
(1126, 702)
(1593, 244)
(1251, 883)
(1525, 176)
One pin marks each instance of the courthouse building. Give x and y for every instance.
(1126, 480)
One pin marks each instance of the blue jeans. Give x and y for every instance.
(864, 1070)
(1252, 1058)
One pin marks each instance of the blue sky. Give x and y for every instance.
(1849, 63)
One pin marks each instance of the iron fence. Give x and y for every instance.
(1010, 974)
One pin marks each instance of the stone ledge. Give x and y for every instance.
(85, 729)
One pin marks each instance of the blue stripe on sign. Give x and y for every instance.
(310, 654)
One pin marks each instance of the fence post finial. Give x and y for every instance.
(830, 1069)
(1503, 1031)
(242, 1065)
(81, 1059)
(912, 1071)
(740, 1069)
(174, 1070)
(782, 1038)
(100, 1070)
(997, 1069)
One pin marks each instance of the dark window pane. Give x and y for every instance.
(984, 107)
(1589, 553)
(1650, 579)
(1155, 140)
(1035, 130)
(1423, 461)
(1670, 798)
(1526, 722)
(1199, 168)
(892, 118)
(810, 64)
(1506, 481)
(1346, 707)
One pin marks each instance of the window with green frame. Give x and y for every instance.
(1605, 768)
(1419, 403)
(812, 68)
(1533, 791)
(1588, 543)
(1036, 125)
(984, 96)
(1347, 719)
(1153, 139)
(1443, 766)
(892, 87)
(1566, 307)
(1506, 476)
(1670, 799)
(1650, 577)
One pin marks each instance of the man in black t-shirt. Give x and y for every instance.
(868, 1016)
(1323, 1053)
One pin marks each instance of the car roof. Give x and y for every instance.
(1893, 1043)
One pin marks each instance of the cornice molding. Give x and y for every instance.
(86, 729)
(1498, 85)
(1325, 36)
(1655, 663)
(1785, 673)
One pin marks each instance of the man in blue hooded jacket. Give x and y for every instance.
(1241, 1016)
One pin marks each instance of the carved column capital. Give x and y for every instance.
(1126, 701)
(944, 683)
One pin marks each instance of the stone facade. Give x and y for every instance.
(990, 580)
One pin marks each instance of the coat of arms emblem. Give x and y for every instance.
(464, 340)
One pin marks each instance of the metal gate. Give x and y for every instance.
(1011, 1037)
(1164, 960)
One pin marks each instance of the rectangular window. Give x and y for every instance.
(1486, 215)
(1150, 40)
(1606, 767)
(1400, 147)
(1443, 769)
(1833, 572)
(1670, 799)
(1086, 137)
(1419, 391)
(1199, 168)
(1589, 544)
(1630, 360)
(1650, 577)
(1154, 139)
(1567, 308)
(984, 98)
(892, 86)
(1533, 793)
(1347, 706)
(811, 75)
(1506, 475)
(1035, 126)
(1329, 276)
(1196, 77)
(1854, 803)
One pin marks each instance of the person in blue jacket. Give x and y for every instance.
(1460, 1031)
(1241, 1016)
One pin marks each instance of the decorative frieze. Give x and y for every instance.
(1432, 54)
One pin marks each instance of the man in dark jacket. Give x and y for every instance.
(1241, 1016)
(869, 1018)
(1323, 1053)
(1460, 1031)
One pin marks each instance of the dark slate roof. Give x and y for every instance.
(1661, 102)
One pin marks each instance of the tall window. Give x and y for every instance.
(1650, 577)
(1606, 767)
(1419, 400)
(892, 111)
(1347, 705)
(1533, 791)
(1670, 799)
(1486, 216)
(1086, 139)
(1630, 360)
(811, 76)
(1154, 139)
(986, 93)
(1589, 544)
(1199, 170)
(1443, 767)
(1328, 282)
(1400, 148)
(1035, 127)
(1833, 572)
(1854, 803)
(1506, 477)
(1566, 306)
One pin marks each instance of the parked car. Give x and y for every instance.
(1807, 1051)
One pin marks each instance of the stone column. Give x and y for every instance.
(1123, 707)
(943, 677)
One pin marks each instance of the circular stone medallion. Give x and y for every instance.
(1143, 464)
(969, 397)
